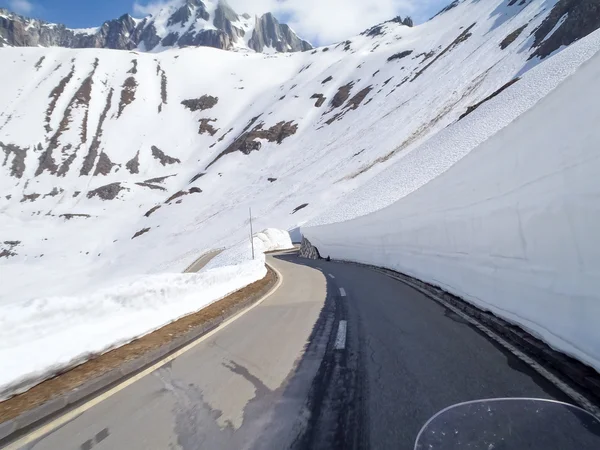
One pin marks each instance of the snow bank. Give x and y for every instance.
(272, 239)
(44, 336)
(512, 227)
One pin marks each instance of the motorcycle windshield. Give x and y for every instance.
(507, 424)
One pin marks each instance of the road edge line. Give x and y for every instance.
(564, 387)
(63, 419)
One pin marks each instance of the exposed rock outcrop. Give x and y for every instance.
(298, 208)
(152, 211)
(249, 141)
(154, 187)
(18, 154)
(201, 104)
(74, 216)
(575, 19)
(512, 37)
(400, 55)
(104, 165)
(341, 95)
(180, 194)
(207, 128)
(307, 250)
(320, 100)
(133, 165)
(139, 233)
(162, 157)
(127, 94)
(108, 192)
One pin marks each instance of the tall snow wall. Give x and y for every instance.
(513, 227)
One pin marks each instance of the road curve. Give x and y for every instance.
(406, 358)
(339, 357)
(234, 390)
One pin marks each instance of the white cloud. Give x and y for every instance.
(321, 21)
(149, 8)
(327, 21)
(21, 6)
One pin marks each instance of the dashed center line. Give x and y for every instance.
(331, 276)
(340, 340)
(342, 292)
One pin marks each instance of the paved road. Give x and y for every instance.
(285, 376)
(406, 358)
(201, 262)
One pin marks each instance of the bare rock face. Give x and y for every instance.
(206, 127)
(268, 32)
(19, 31)
(308, 251)
(180, 194)
(201, 104)
(104, 165)
(30, 198)
(249, 141)
(298, 208)
(579, 18)
(224, 20)
(320, 99)
(162, 157)
(139, 233)
(133, 165)
(152, 211)
(108, 192)
(341, 95)
(400, 55)
(511, 37)
(378, 30)
(18, 158)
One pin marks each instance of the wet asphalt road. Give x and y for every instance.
(285, 376)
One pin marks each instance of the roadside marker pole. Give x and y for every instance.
(251, 234)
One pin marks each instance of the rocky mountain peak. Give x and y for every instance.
(269, 33)
(183, 24)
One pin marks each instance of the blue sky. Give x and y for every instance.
(310, 18)
(74, 13)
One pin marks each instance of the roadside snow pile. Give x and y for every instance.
(272, 239)
(512, 227)
(44, 336)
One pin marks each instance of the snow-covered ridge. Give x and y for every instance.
(179, 23)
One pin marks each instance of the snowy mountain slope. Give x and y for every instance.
(179, 23)
(119, 137)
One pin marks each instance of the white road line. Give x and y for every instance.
(62, 420)
(342, 292)
(340, 340)
(331, 276)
